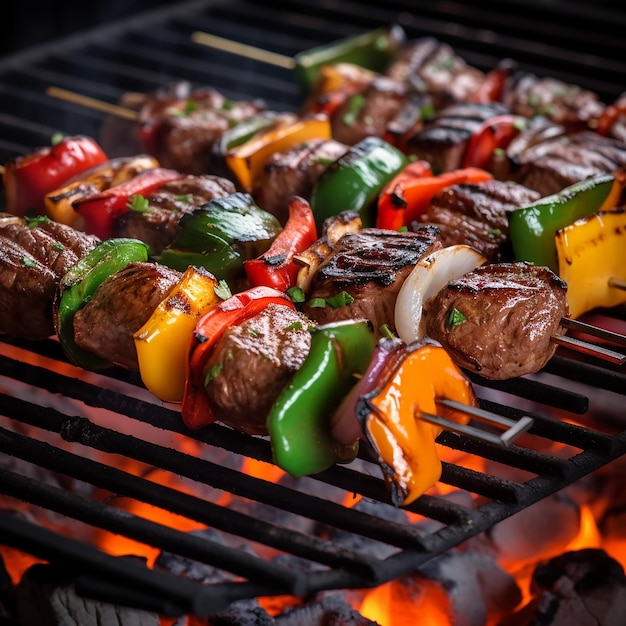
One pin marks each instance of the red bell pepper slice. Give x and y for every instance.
(494, 133)
(102, 209)
(392, 202)
(276, 268)
(492, 87)
(196, 410)
(610, 115)
(27, 179)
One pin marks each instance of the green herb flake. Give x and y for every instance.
(494, 233)
(28, 262)
(253, 333)
(385, 331)
(190, 107)
(499, 152)
(316, 303)
(187, 198)
(403, 229)
(36, 220)
(455, 318)
(293, 326)
(56, 138)
(138, 203)
(212, 374)
(520, 124)
(296, 294)
(355, 104)
(222, 290)
(57, 245)
(340, 299)
(427, 111)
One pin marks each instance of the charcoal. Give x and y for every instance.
(477, 588)
(240, 613)
(578, 588)
(330, 611)
(7, 591)
(46, 596)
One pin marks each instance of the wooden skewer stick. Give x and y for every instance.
(503, 439)
(92, 103)
(243, 50)
(617, 283)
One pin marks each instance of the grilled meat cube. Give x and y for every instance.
(444, 139)
(157, 226)
(370, 265)
(119, 308)
(32, 262)
(179, 125)
(498, 319)
(433, 67)
(252, 363)
(563, 103)
(476, 215)
(294, 172)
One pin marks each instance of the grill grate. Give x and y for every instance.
(139, 54)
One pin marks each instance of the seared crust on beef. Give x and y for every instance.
(294, 172)
(119, 308)
(253, 361)
(510, 311)
(158, 226)
(476, 215)
(370, 265)
(32, 262)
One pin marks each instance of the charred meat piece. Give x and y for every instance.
(33, 260)
(370, 266)
(119, 308)
(476, 215)
(157, 226)
(179, 125)
(444, 139)
(498, 319)
(433, 67)
(252, 363)
(563, 103)
(294, 172)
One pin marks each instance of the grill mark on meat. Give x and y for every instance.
(370, 265)
(510, 310)
(253, 362)
(32, 262)
(119, 308)
(476, 215)
(158, 226)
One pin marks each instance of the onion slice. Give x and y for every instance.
(429, 276)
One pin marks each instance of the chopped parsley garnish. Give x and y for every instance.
(138, 203)
(36, 220)
(340, 299)
(212, 374)
(427, 111)
(190, 107)
(56, 138)
(28, 262)
(296, 294)
(316, 303)
(253, 333)
(57, 245)
(293, 326)
(222, 290)
(355, 104)
(455, 318)
(187, 198)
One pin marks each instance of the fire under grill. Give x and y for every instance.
(95, 428)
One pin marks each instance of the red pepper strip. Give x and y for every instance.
(101, 210)
(275, 268)
(609, 116)
(392, 202)
(496, 132)
(492, 87)
(196, 409)
(27, 179)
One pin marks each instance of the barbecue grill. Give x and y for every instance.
(571, 41)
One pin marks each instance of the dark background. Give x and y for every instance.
(28, 23)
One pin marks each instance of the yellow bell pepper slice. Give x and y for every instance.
(590, 252)
(162, 342)
(247, 161)
(404, 442)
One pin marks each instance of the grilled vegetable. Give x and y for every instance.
(275, 267)
(196, 409)
(80, 283)
(162, 342)
(390, 416)
(299, 423)
(532, 229)
(590, 253)
(27, 179)
(221, 235)
(353, 182)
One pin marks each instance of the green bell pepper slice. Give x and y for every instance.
(299, 421)
(532, 228)
(372, 50)
(79, 284)
(354, 181)
(221, 235)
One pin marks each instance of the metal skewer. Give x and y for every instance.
(612, 356)
(503, 439)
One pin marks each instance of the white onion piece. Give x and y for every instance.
(429, 276)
